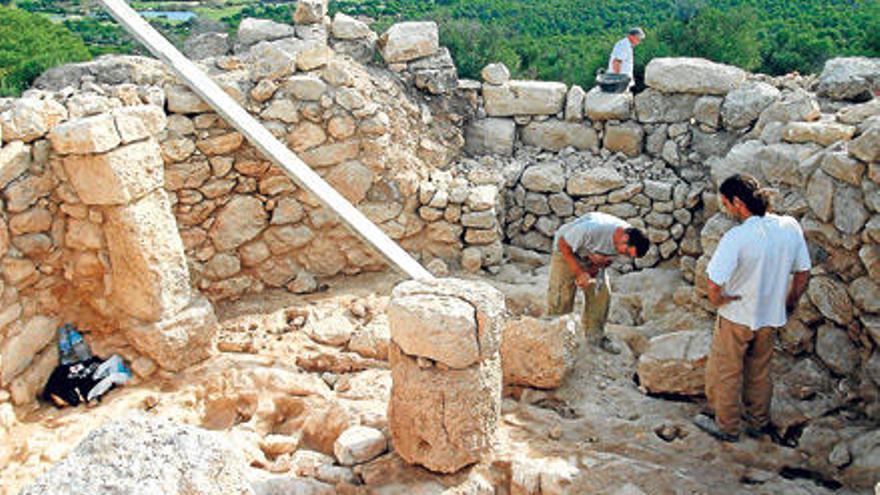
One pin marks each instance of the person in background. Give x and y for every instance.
(622, 60)
(582, 249)
(749, 284)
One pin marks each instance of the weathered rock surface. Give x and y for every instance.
(744, 105)
(524, 98)
(539, 352)
(180, 340)
(408, 41)
(119, 177)
(599, 105)
(675, 363)
(206, 45)
(490, 136)
(692, 75)
(555, 135)
(359, 444)
(144, 455)
(851, 78)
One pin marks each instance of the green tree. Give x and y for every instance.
(30, 44)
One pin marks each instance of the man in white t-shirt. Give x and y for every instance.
(582, 248)
(621, 60)
(749, 284)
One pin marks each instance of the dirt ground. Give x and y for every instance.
(598, 433)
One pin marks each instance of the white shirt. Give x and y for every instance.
(591, 233)
(622, 51)
(754, 261)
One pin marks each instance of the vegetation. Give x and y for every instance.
(565, 40)
(30, 44)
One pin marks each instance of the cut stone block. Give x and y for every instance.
(119, 177)
(675, 363)
(179, 340)
(539, 352)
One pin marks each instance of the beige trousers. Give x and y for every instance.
(560, 297)
(738, 374)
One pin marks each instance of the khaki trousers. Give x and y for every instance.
(738, 372)
(560, 297)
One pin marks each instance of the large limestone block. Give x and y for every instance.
(692, 75)
(241, 220)
(206, 45)
(252, 31)
(139, 122)
(744, 105)
(95, 134)
(555, 135)
(178, 340)
(546, 177)
(24, 340)
(831, 298)
(475, 317)
(28, 385)
(30, 119)
(824, 133)
(443, 420)
(594, 181)
(653, 106)
(490, 136)
(124, 175)
(148, 455)
(150, 277)
(538, 352)
(626, 138)
(496, 73)
(524, 98)
(797, 106)
(407, 41)
(675, 363)
(310, 11)
(608, 106)
(851, 78)
(820, 195)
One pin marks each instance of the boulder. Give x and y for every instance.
(252, 31)
(850, 214)
(599, 105)
(145, 455)
(407, 41)
(15, 160)
(555, 135)
(707, 110)
(348, 28)
(547, 177)
(867, 146)
(181, 100)
(206, 45)
(840, 166)
(692, 75)
(524, 98)
(539, 352)
(274, 59)
(490, 136)
(30, 119)
(653, 106)
(675, 363)
(574, 104)
(856, 114)
(797, 106)
(831, 299)
(743, 105)
(836, 350)
(820, 195)
(627, 138)
(335, 330)
(24, 340)
(850, 78)
(594, 181)
(180, 340)
(139, 122)
(359, 444)
(241, 220)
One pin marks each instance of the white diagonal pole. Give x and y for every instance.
(223, 104)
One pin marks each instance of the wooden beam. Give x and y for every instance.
(260, 137)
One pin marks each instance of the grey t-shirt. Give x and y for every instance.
(591, 233)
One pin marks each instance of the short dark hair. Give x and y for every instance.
(748, 190)
(637, 239)
(637, 31)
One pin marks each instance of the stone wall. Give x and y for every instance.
(455, 169)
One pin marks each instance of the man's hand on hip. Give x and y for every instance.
(583, 280)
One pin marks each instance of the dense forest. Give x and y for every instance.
(564, 40)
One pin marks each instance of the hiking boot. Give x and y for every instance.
(757, 432)
(606, 345)
(708, 425)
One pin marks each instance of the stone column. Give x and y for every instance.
(114, 162)
(446, 371)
